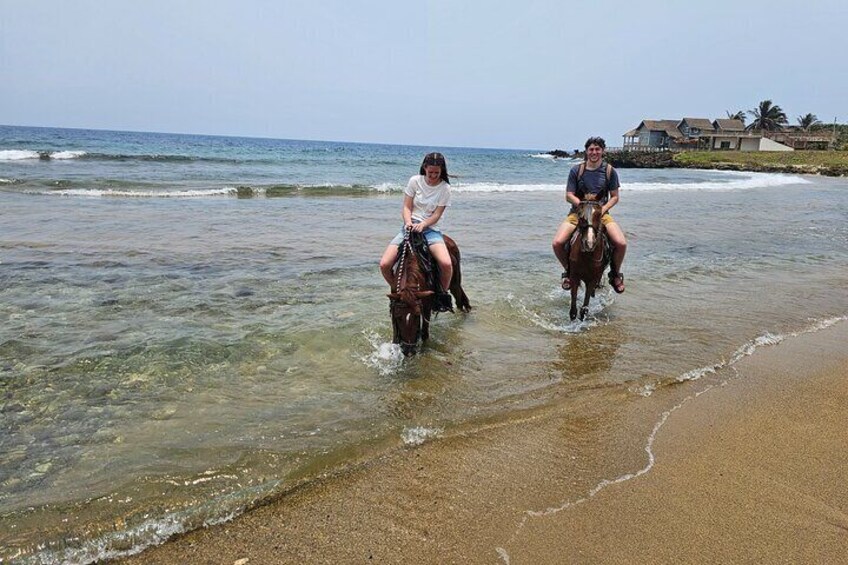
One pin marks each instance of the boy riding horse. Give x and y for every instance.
(595, 177)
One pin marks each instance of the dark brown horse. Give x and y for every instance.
(411, 302)
(587, 257)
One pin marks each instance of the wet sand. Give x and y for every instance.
(744, 466)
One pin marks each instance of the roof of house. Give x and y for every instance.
(701, 123)
(668, 126)
(729, 125)
(671, 127)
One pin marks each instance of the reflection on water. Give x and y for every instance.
(589, 357)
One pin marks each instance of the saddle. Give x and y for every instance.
(425, 260)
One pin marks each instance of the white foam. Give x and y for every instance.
(67, 154)
(153, 532)
(596, 306)
(419, 434)
(500, 187)
(546, 156)
(386, 358)
(105, 193)
(748, 348)
(549, 157)
(735, 181)
(7, 181)
(645, 390)
(388, 187)
(18, 155)
(696, 374)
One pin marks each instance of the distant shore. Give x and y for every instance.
(746, 467)
(826, 163)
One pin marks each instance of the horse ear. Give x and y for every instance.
(424, 293)
(394, 296)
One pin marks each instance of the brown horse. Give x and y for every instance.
(587, 257)
(411, 301)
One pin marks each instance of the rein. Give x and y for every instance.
(402, 259)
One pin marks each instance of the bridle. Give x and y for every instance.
(396, 325)
(585, 224)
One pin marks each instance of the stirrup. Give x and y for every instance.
(566, 281)
(443, 302)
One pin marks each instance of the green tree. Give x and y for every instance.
(740, 115)
(806, 122)
(767, 116)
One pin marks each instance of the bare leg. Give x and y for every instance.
(618, 250)
(387, 263)
(562, 236)
(440, 253)
(619, 244)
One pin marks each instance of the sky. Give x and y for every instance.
(526, 74)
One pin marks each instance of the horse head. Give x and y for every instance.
(589, 223)
(409, 313)
(410, 304)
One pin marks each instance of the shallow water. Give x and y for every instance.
(168, 360)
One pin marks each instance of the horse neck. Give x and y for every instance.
(411, 278)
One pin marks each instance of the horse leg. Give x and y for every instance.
(573, 312)
(426, 310)
(456, 290)
(585, 308)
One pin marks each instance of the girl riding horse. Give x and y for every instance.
(425, 199)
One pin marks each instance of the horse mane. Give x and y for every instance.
(410, 276)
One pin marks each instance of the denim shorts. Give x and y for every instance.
(432, 236)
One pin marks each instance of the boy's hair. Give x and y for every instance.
(599, 141)
(438, 160)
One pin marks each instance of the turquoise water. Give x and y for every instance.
(193, 323)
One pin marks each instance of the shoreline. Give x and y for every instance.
(822, 163)
(743, 465)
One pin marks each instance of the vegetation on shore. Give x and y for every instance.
(830, 163)
(767, 117)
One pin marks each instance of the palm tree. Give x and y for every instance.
(767, 116)
(808, 121)
(740, 115)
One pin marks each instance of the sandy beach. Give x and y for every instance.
(748, 467)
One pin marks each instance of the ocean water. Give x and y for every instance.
(192, 324)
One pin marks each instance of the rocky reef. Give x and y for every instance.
(827, 163)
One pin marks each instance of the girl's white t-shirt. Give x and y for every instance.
(426, 198)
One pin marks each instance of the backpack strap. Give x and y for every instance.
(582, 170)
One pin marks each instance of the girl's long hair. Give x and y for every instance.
(437, 159)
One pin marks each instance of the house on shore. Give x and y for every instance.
(721, 134)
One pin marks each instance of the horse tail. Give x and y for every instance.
(459, 295)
